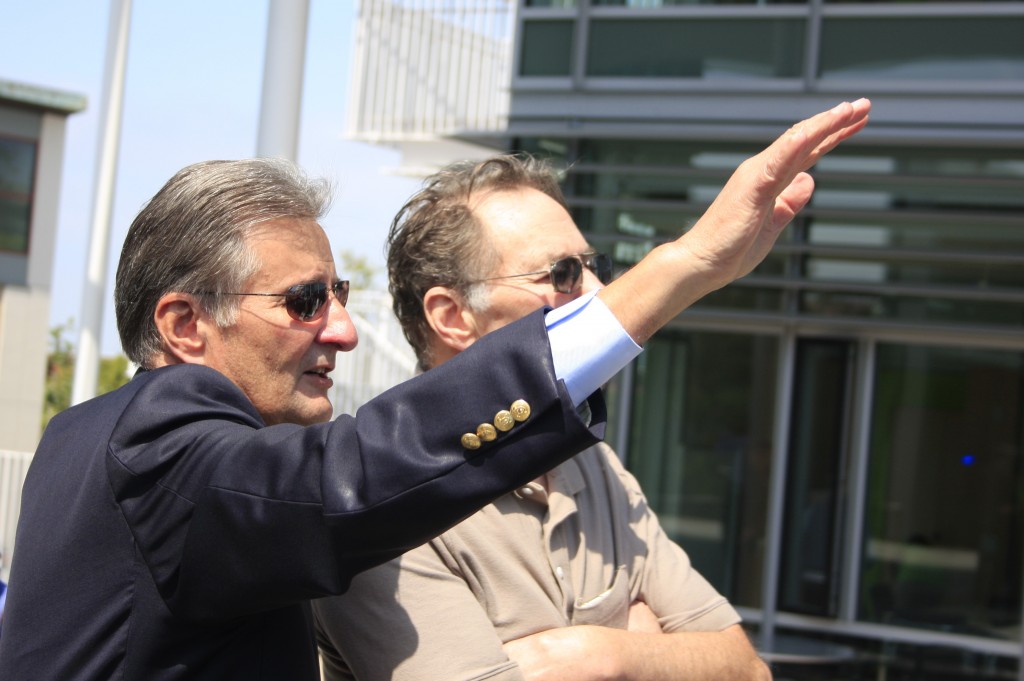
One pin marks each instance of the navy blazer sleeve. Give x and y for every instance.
(234, 517)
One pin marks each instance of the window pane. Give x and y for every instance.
(547, 48)
(808, 583)
(675, 3)
(748, 298)
(922, 48)
(700, 445)
(900, 2)
(723, 156)
(912, 308)
(939, 232)
(944, 507)
(14, 220)
(696, 48)
(17, 166)
(17, 171)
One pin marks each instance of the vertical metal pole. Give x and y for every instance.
(283, 68)
(777, 491)
(94, 288)
(625, 407)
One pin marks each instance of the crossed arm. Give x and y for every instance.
(481, 602)
(440, 630)
(641, 653)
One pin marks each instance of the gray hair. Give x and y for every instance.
(436, 240)
(192, 237)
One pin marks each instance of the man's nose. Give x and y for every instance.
(339, 328)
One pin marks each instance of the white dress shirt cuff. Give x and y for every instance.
(588, 345)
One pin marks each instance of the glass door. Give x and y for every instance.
(944, 516)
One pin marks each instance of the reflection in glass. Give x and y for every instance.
(677, 3)
(700, 446)
(976, 273)
(923, 48)
(912, 309)
(944, 508)
(810, 547)
(547, 48)
(696, 48)
(933, 233)
(743, 298)
(17, 169)
(17, 166)
(14, 222)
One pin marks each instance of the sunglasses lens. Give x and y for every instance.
(340, 289)
(566, 273)
(306, 301)
(601, 265)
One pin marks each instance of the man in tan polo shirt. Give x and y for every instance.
(571, 576)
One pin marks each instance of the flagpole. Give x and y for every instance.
(94, 287)
(283, 68)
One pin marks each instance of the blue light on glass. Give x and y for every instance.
(967, 459)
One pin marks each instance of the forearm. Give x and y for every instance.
(646, 297)
(694, 656)
(590, 653)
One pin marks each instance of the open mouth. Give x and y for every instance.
(321, 374)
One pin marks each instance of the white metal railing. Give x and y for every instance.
(13, 468)
(382, 358)
(425, 68)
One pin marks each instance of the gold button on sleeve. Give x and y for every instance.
(486, 432)
(520, 410)
(470, 441)
(503, 420)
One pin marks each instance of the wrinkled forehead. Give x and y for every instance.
(293, 247)
(526, 228)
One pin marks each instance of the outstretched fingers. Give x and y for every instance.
(805, 143)
(858, 119)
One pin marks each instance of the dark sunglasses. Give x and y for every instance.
(566, 273)
(306, 302)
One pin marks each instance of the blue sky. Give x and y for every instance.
(192, 93)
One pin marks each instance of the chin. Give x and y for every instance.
(319, 414)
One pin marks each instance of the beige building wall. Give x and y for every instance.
(25, 306)
(25, 310)
(24, 317)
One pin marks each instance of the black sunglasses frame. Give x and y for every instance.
(304, 302)
(566, 273)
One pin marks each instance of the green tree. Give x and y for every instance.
(113, 373)
(60, 371)
(358, 270)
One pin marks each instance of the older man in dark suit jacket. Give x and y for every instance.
(177, 527)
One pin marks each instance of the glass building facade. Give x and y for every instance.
(838, 438)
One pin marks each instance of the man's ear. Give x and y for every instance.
(182, 326)
(454, 324)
